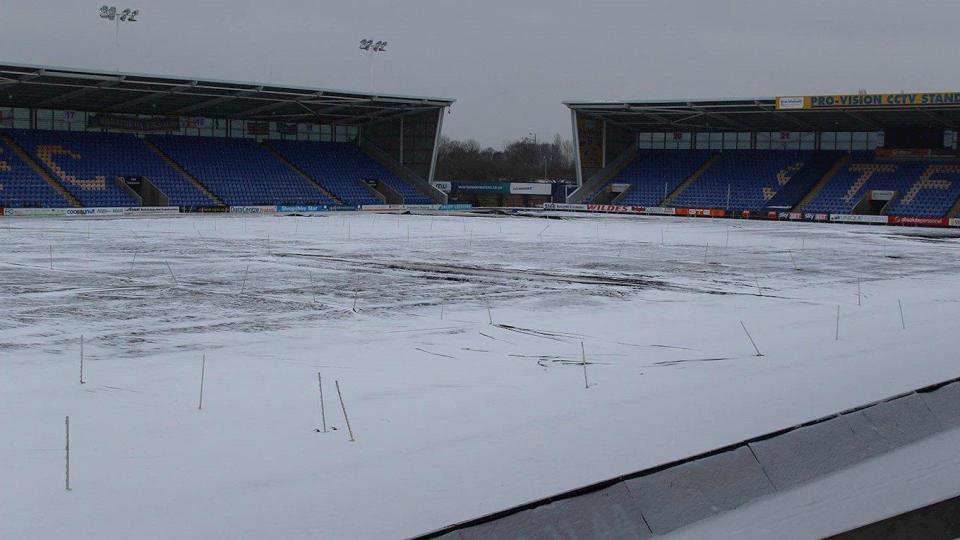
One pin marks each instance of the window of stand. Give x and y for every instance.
(60, 120)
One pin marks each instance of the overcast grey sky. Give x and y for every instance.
(509, 64)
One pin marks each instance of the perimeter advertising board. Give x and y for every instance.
(530, 188)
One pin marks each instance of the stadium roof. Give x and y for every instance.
(803, 113)
(46, 87)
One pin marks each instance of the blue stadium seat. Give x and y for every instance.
(654, 173)
(752, 178)
(88, 163)
(817, 165)
(341, 167)
(21, 187)
(923, 187)
(240, 171)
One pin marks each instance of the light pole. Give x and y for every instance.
(111, 13)
(533, 137)
(126, 15)
(372, 46)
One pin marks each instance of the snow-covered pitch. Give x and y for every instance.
(456, 342)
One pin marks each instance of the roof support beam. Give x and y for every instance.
(210, 102)
(26, 78)
(77, 93)
(150, 97)
(264, 108)
(860, 117)
(936, 117)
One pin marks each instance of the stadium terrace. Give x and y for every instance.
(874, 158)
(89, 139)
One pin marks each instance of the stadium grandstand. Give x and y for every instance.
(81, 138)
(857, 157)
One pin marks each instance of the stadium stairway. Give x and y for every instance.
(591, 186)
(183, 172)
(655, 173)
(280, 157)
(690, 180)
(413, 188)
(26, 158)
(822, 182)
(955, 209)
(797, 186)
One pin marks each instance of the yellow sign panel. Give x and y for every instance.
(868, 100)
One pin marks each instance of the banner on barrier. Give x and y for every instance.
(564, 206)
(152, 210)
(530, 188)
(253, 209)
(703, 212)
(301, 208)
(91, 212)
(919, 221)
(954, 222)
(660, 211)
(481, 187)
(35, 212)
(853, 218)
(456, 206)
(382, 207)
(614, 208)
(809, 216)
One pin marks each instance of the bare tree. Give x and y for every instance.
(519, 160)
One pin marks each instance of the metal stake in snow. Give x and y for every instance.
(342, 406)
(66, 422)
(902, 322)
(323, 413)
(171, 274)
(543, 231)
(661, 236)
(51, 256)
(705, 248)
(81, 359)
(356, 291)
(619, 251)
(489, 316)
(583, 361)
(751, 339)
(134, 261)
(243, 283)
(858, 290)
(837, 335)
(203, 372)
(794, 261)
(726, 242)
(759, 290)
(441, 308)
